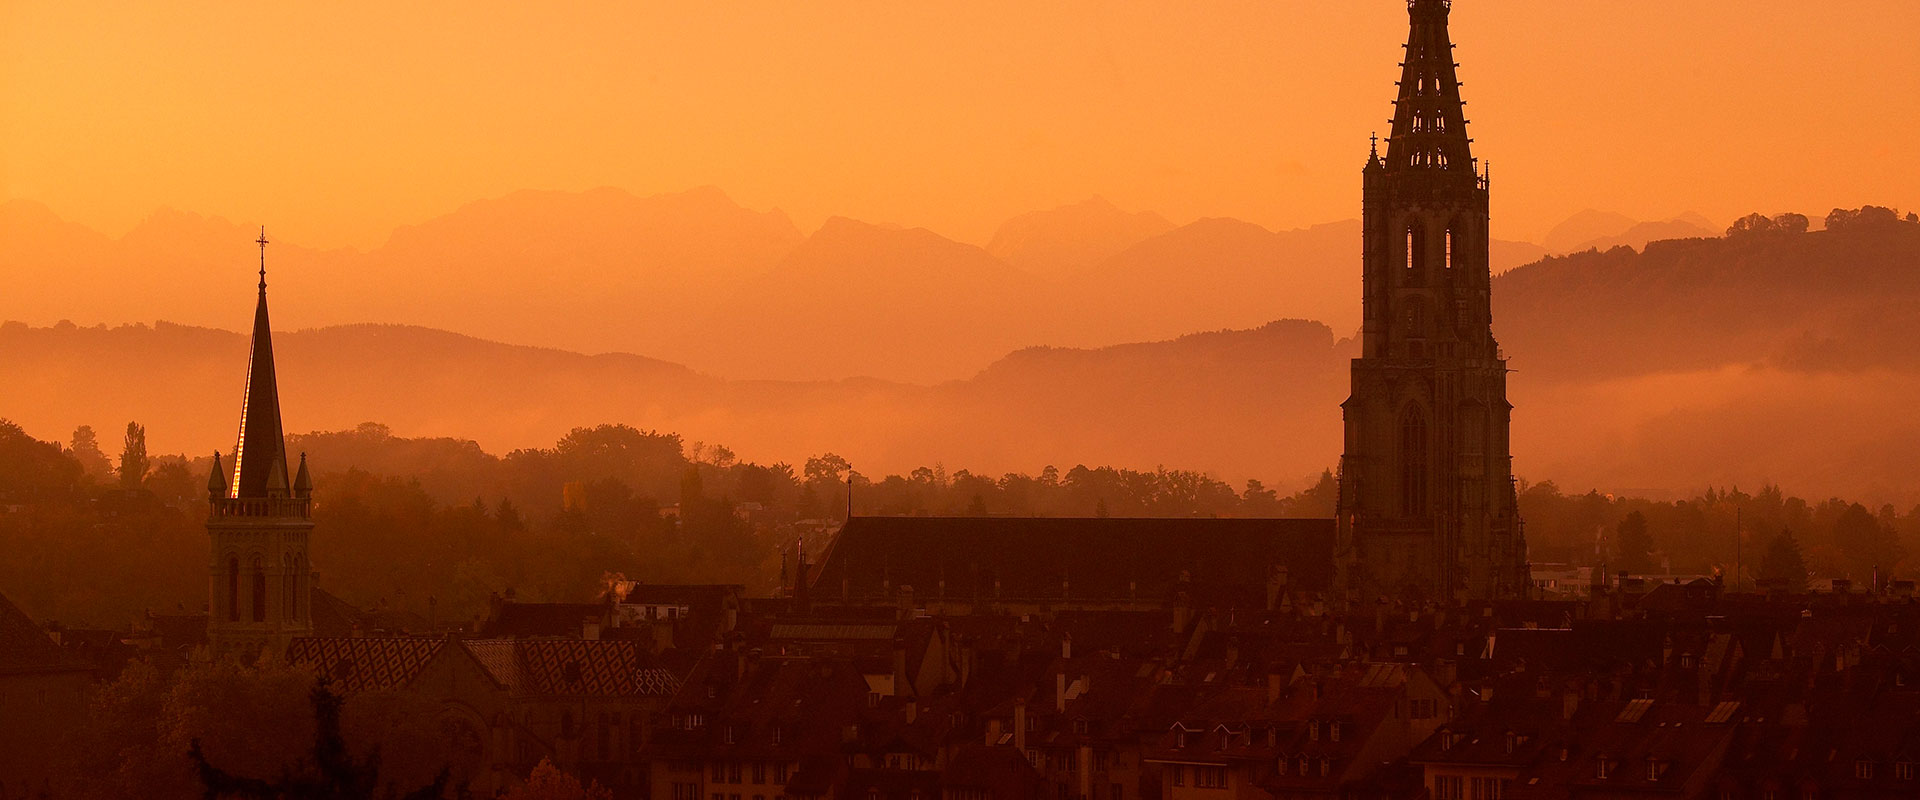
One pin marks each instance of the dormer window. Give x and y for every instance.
(1446, 741)
(1863, 769)
(727, 734)
(1655, 769)
(1903, 770)
(1512, 740)
(776, 734)
(1080, 727)
(1603, 768)
(1333, 731)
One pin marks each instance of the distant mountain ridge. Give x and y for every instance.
(1741, 360)
(694, 277)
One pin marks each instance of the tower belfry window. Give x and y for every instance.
(1413, 462)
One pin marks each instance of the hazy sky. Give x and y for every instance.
(336, 121)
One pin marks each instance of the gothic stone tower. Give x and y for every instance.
(257, 522)
(1427, 506)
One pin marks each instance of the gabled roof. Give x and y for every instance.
(588, 667)
(24, 647)
(361, 664)
(525, 620)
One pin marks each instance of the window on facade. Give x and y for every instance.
(1313, 730)
(1179, 775)
(1903, 770)
(1488, 789)
(1415, 243)
(1863, 769)
(1449, 255)
(259, 591)
(1603, 768)
(733, 772)
(1117, 793)
(1447, 787)
(759, 772)
(780, 773)
(1333, 731)
(1210, 777)
(1413, 462)
(719, 772)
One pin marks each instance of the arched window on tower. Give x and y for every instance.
(1413, 462)
(1449, 248)
(233, 589)
(259, 590)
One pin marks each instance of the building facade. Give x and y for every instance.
(259, 518)
(1427, 503)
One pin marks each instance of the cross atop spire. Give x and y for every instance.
(262, 241)
(1429, 122)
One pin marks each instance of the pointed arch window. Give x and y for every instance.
(1450, 247)
(1413, 462)
(259, 590)
(233, 588)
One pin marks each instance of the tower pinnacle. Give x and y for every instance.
(1429, 121)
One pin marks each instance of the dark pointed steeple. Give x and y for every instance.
(217, 482)
(302, 482)
(1429, 121)
(259, 456)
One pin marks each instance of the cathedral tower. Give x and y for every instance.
(258, 521)
(1427, 505)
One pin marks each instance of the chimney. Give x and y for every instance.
(1066, 645)
(590, 630)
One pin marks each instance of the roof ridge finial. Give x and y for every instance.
(262, 241)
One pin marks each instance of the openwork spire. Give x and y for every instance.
(1429, 122)
(259, 456)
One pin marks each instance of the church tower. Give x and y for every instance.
(257, 521)
(1427, 502)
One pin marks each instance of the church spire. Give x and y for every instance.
(1429, 121)
(259, 456)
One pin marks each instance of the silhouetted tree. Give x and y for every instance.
(1633, 544)
(1783, 562)
(133, 456)
(547, 782)
(86, 449)
(1864, 542)
(331, 772)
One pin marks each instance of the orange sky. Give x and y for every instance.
(334, 122)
